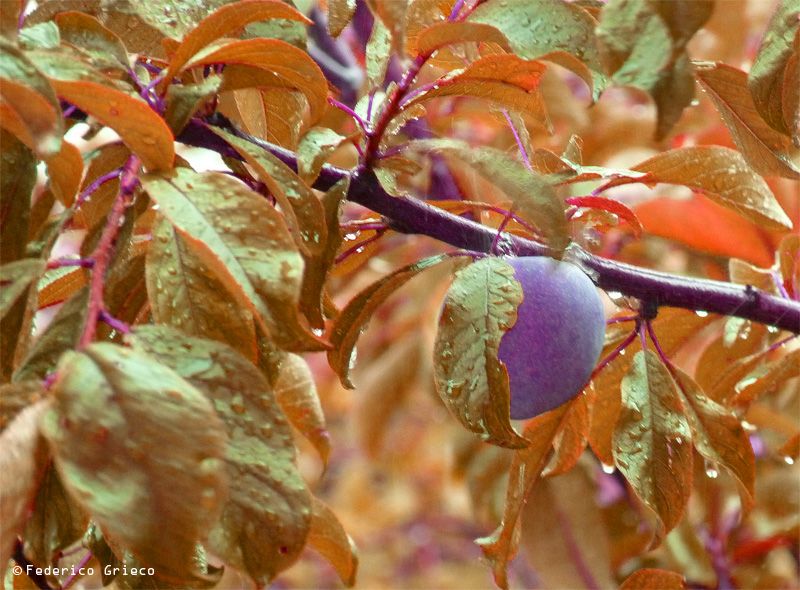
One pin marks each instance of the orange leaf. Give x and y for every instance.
(220, 23)
(449, 33)
(611, 206)
(65, 171)
(286, 66)
(141, 129)
(329, 538)
(653, 579)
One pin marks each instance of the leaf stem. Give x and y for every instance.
(105, 248)
(616, 352)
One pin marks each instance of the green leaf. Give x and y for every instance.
(329, 538)
(532, 197)
(378, 52)
(89, 35)
(22, 462)
(244, 241)
(184, 294)
(266, 520)
(300, 206)
(652, 440)
(41, 36)
(719, 173)
(480, 307)
(316, 145)
(17, 179)
(61, 335)
(768, 151)
(31, 99)
(718, 436)
(184, 99)
(525, 472)
(767, 76)
(354, 318)
(644, 45)
(535, 29)
(141, 450)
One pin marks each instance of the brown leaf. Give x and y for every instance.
(339, 14)
(572, 438)
(224, 21)
(65, 172)
(329, 538)
(654, 579)
(141, 128)
(526, 468)
(90, 35)
(22, 463)
(767, 379)
(790, 450)
(718, 436)
(719, 173)
(276, 64)
(296, 393)
(769, 152)
(652, 441)
(17, 180)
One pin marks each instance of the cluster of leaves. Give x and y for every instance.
(155, 418)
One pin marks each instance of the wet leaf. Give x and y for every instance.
(768, 74)
(328, 537)
(354, 318)
(184, 100)
(788, 261)
(442, 34)
(525, 472)
(378, 52)
(503, 79)
(65, 172)
(184, 294)
(17, 305)
(276, 63)
(654, 579)
(224, 21)
(16, 278)
(9, 17)
(339, 14)
(719, 173)
(141, 450)
(652, 440)
(572, 438)
(296, 393)
(532, 197)
(535, 29)
(610, 205)
(30, 98)
(301, 208)
(266, 519)
(480, 307)
(718, 436)
(90, 35)
(767, 378)
(141, 128)
(244, 241)
(22, 462)
(317, 144)
(768, 151)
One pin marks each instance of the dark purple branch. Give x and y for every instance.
(410, 215)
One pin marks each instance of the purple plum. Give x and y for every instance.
(554, 345)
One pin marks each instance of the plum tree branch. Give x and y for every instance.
(414, 216)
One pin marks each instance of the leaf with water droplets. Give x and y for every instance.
(654, 579)
(441, 34)
(534, 199)
(572, 438)
(378, 52)
(184, 294)
(183, 100)
(329, 538)
(535, 29)
(316, 145)
(339, 14)
(718, 436)
(652, 440)
(480, 307)
(526, 470)
(244, 241)
(224, 21)
(719, 173)
(768, 75)
(768, 151)
(767, 378)
(266, 519)
(141, 450)
(354, 317)
(503, 79)
(89, 35)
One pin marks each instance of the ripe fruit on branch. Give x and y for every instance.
(553, 347)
